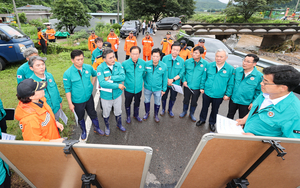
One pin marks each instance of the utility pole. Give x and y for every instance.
(16, 12)
(118, 12)
(122, 9)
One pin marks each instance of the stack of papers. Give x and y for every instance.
(228, 126)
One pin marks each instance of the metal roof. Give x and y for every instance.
(105, 14)
(30, 7)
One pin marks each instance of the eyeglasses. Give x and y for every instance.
(266, 83)
(246, 61)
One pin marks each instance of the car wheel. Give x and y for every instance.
(175, 27)
(2, 64)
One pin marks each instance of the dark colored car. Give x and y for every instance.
(212, 45)
(139, 24)
(127, 27)
(169, 23)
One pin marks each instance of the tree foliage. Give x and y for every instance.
(22, 17)
(70, 14)
(247, 8)
(157, 8)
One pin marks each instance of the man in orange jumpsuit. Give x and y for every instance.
(113, 39)
(184, 52)
(37, 120)
(147, 43)
(200, 43)
(50, 33)
(91, 42)
(129, 42)
(167, 43)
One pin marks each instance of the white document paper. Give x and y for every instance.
(177, 88)
(105, 89)
(6, 136)
(97, 85)
(63, 116)
(228, 126)
(116, 46)
(76, 118)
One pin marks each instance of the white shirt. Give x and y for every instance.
(111, 67)
(246, 74)
(268, 101)
(220, 67)
(144, 25)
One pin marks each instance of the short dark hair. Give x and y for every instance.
(200, 49)
(255, 57)
(284, 75)
(175, 44)
(98, 39)
(156, 50)
(107, 51)
(135, 47)
(75, 53)
(25, 99)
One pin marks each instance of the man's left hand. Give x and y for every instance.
(226, 98)
(162, 93)
(60, 126)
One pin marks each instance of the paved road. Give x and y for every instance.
(173, 139)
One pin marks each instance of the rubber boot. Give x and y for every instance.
(184, 111)
(171, 104)
(119, 123)
(82, 126)
(192, 111)
(136, 114)
(156, 109)
(163, 107)
(147, 109)
(106, 122)
(96, 127)
(128, 120)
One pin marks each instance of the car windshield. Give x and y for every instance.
(13, 32)
(214, 44)
(129, 24)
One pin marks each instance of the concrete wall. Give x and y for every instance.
(106, 19)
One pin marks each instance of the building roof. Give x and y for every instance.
(31, 7)
(105, 14)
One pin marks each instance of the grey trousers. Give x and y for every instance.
(108, 104)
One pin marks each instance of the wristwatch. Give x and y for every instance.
(174, 80)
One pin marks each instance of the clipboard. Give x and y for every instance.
(10, 113)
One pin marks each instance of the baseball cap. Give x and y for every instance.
(106, 45)
(93, 31)
(202, 40)
(147, 33)
(131, 32)
(168, 33)
(27, 87)
(182, 43)
(111, 29)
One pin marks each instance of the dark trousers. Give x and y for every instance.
(43, 46)
(216, 102)
(3, 125)
(127, 57)
(143, 31)
(188, 94)
(129, 97)
(51, 40)
(162, 55)
(116, 54)
(233, 107)
(88, 106)
(6, 183)
(173, 94)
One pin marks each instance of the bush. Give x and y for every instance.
(37, 23)
(102, 30)
(116, 26)
(79, 35)
(22, 17)
(56, 48)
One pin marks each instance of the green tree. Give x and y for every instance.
(70, 13)
(157, 8)
(22, 17)
(247, 8)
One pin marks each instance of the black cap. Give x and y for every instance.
(168, 33)
(202, 40)
(93, 31)
(27, 87)
(147, 33)
(182, 43)
(48, 24)
(131, 32)
(111, 29)
(106, 45)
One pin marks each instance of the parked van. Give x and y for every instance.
(13, 43)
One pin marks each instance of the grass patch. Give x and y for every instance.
(56, 64)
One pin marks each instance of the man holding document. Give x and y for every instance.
(175, 71)
(110, 76)
(275, 112)
(79, 87)
(194, 69)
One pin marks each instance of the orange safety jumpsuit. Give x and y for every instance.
(40, 36)
(113, 40)
(203, 55)
(91, 43)
(185, 54)
(129, 42)
(37, 123)
(166, 46)
(147, 48)
(50, 33)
